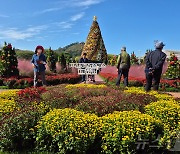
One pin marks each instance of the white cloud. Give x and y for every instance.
(16, 34)
(77, 16)
(48, 10)
(86, 3)
(77, 3)
(4, 16)
(76, 33)
(37, 28)
(69, 23)
(64, 25)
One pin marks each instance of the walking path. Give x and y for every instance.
(175, 94)
(2, 90)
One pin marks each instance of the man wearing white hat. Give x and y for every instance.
(154, 65)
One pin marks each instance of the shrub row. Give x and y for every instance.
(165, 85)
(71, 131)
(21, 83)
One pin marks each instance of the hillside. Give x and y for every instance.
(74, 49)
(24, 54)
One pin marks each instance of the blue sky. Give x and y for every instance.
(57, 23)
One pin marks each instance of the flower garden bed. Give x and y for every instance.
(24, 82)
(165, 85)
(85, 118)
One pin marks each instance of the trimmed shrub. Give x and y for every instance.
(7, 101)
(114, 101)
(67, 131)
(121, 130)
(15, 130)
(169, 113)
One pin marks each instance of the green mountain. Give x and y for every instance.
(73, 49)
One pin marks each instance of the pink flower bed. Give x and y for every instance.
(136, 71)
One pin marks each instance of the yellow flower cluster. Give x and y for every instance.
(169, 113)
(7, 102)
(120, 129)
(9, 94)
(85, 86)
(166, 111)
(42, 107)
(139, 90)
(75, 128)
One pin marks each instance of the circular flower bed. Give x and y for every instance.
(87, 119)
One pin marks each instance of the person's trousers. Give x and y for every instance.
(156, 77)
(36, 76)
(125, 73)
(83, 78)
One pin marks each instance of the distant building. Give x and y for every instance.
(168, 52)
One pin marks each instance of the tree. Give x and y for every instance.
(9, 62)
(94, 46)
(143, 59)
(112, 59)
(173, 70)
(51, 59)
(134, 59)
(62, 61)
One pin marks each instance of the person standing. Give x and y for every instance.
(39, 61)
(84, 60)
(123, 66)
(154, 64)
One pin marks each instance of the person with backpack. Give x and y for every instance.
(123, 66)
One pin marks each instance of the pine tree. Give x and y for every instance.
(51, 59)
(173, 71)
(134, 59)
(9, 61)
(94, 46)
(62, 61)
(113, 60)
(143, 61)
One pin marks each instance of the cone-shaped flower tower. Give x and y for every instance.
(94, 46)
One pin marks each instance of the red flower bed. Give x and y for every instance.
(31, 92)
(164, 82)
(24, 82)
(112, 77)
(62, 78)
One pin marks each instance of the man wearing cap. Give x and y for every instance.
(123, 66)
(154, 64)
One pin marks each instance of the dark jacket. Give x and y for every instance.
(155, 60)
(82, 60)
(124, 63)
(35, 60)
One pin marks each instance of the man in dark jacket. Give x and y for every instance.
(84, 60)
(123, 66)
(154, 64)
